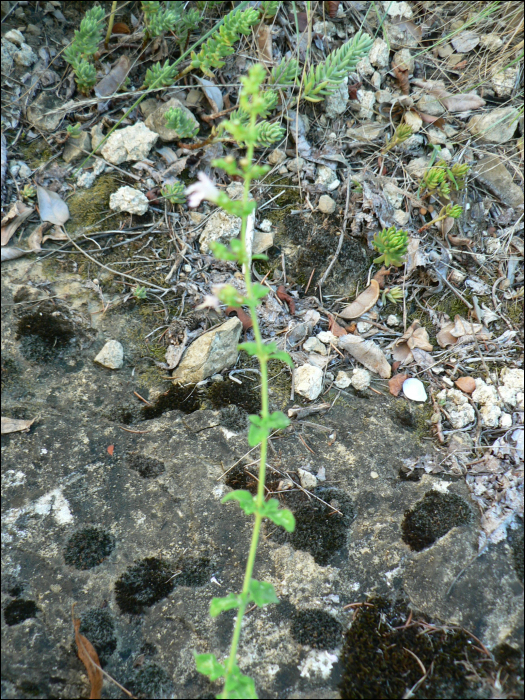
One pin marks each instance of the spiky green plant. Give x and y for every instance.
(392, 244)
(328, 75)
(284, 73)
(174, 192)
(84, 45)
(393, 294)
(401, 134)
(160, 76)
(180, 122)
(440, 179)
(73, 131)
(270, 7)
(173, 16)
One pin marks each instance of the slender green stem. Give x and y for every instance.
(110, 23)
(264, 444)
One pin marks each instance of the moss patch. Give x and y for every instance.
(316, 628)
(99, 627)
(432, 518)
(143, 585)
(16, 611)
(89, 208)
(88, 548)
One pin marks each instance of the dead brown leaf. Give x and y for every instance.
(264, 43)
(34, 241)
(51, 206)
(439, 122)
(89, 657)
(466, 384)
(462, 103)
(363, 303)
(461, 330)
(113, 80)
(335, 328)
(465, 41)
(401, 75)
(395, 384)
(283, 295)
(367, 353)
(415, 337)
(380, 276)
(15, 425)
(352, 90)
(120, 28)
(302, 20)
(16, 215)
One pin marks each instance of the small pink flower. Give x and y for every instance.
(204, 189)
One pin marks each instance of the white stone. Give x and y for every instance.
(111, 355)
(14, 36)
(504, 81)
(414, 389)
(210, 353)
(398, 9)
(404, 60)
(379, 54)
(401, 217)
(132, 143)
(446, 155)
(492, 42)
(336, 102)
(314, 345)
(276, 157)
(325, 28)
(262, 240)
(130, 200)
(383, 96)
(333, 185)
(327, 337)
(484, 393)
(457, 406)
(308, 381)
(307, 479)
(496, 126)
(361, 379)
(512, 388)
(414, 121)
(363, 327)
(342, 381)
(366, 99)
(393, 320)
(376, 80)
(428, 104)
(318, 662)
(505, 421)
(220, 227)
(393, 194)
(364, 68)
(295, 165)
(325, 176)
(25, 56)
(490, 415)
(265, 225)
(317, 360)
(418, 166)
(326, 204)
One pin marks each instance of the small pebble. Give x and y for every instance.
(326, 204)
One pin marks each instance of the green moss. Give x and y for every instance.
(36, 153)
(432, 518)
(89, 208)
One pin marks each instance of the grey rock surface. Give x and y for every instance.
(42, 112)
(492, 172)
(496, 126)
(75, 148)
(210, 353)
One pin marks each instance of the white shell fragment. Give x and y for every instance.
(414, 390)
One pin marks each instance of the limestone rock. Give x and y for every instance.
(296, 165)
(457, 406)
(404, 60)
(132, 143)
(307, 479)
(39, 112)
(360, 379)
(326, 204)
(262, 240)
(325, 176)
(210, 353)
(379, 54)
(97, 136)
(496, 126)
(366, 99)
(75, 148)
(308, 381)
(276, 157)
(111, 355)
(157, 120)
(130, 200)
(219, 227)
(342, 381)
(428, 104)
(314, 345)
(504, 81)
(337, 101)
(491, 171)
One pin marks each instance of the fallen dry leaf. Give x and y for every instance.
(241, 315)
(401, 75)
(466, 384)
(212, 93)
(51, 206)
(89, 657)
(332, 6)
(335, 328)
(445, 225)
(120, 28)
(429, 119)
(380, 276)
(462, 103)
(16, 215)
(395, 384)
(264, 43)
(111, 449)
(352, 90)
(363, 303)
(15, 425)
(465, 41)
(415, 337)
(408, 26)
(367, 353)
(302, 20)
(111, 82)
(461, 331)
(34, 241)
(283, 295)
(13, 253)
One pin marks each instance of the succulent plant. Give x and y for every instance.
(392, 244)
(174, 192)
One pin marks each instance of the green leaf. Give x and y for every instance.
(278, 421)
(280, 516)
(259, 291)
(260, 257)
(238, 686)
(262, 593)
(283, 357)
(244, 498)
(257, 431)
(229, 602)
(230, 296)
(208, 665)
(249, 348)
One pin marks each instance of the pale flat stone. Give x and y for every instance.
(111, 355)
(326, 204)
(156, 121)
(132, 143)
(496, 126)
(308, 381)
(492, 172)
(129, 200)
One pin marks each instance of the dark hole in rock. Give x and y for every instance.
(98, 626)
(196, 571)
(406, 418)
(88, 548)
(182, 398)
(406, 474)
(244, 477)
(246, 396)
(432, 518)
(316, 628)
(143, 585)
(16, 611)
(147, 467)
(148, 649)
(43, 335)
(152, 681)
(319, 529)
(376, 663)
(234, 418)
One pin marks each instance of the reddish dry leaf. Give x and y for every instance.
(429, 119)
(395, 384)
(380, 276)
(414, 337)
(462, 103)
(335, 328)
(331, 7)
(302, 20)
(401, 75)
(241, 315)
(16, 215)
(459, 240)
(120, 28)
(367, 353)
(89, 657)
(363, 303)
(284, 296)
(352, 90)
(466, 384)
(111, 449)
(264, 43)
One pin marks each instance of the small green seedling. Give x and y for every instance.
(393, 294)
(174, 192)
(83, 48)
(452, 211)
(28, 192)
(393, 245)
(140, 292)
(401, 134)
(73, 131)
